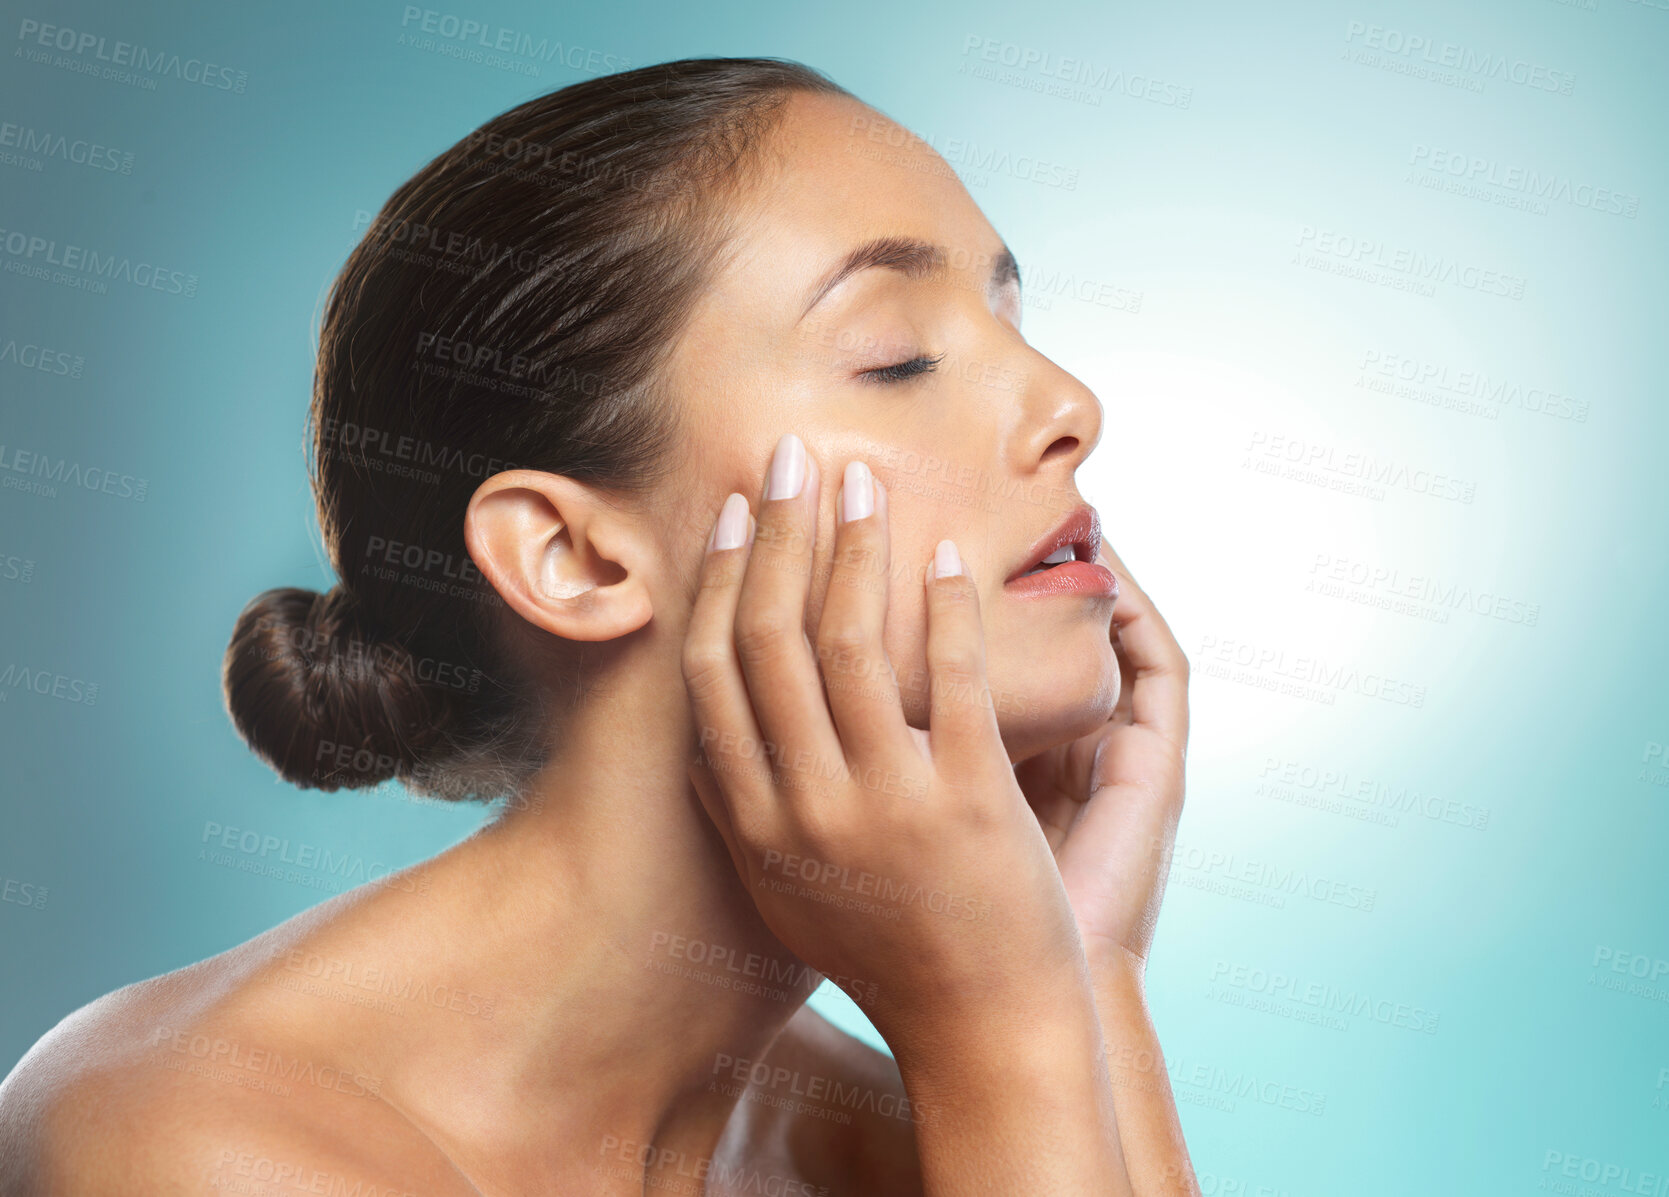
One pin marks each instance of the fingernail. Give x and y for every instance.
(788, 468)
(731, 530)
(857, 493)
(946, 560)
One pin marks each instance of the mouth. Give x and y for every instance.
(1076, 538)
(1064, 560)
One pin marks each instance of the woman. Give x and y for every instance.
(754, 726)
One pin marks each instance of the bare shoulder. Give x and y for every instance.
(836, 1108)
(153, 1088)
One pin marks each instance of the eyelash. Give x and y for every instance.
(904, 371)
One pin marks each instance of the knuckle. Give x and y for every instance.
(960, 662)
(782, 546)
(859, 549)
(820, 831)
(755, 838)
(841, 637)
(763, 636)
(704, 670)
(973, 801)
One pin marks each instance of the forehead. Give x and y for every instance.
(833, 174)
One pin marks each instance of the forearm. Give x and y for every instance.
(1017, 1101)
(1150, 1134)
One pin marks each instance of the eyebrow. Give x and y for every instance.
(915, 259)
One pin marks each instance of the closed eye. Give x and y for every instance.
(903, 371)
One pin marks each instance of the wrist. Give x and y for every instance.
(1038, 1030)
(1115, 970)
(1016, 1098)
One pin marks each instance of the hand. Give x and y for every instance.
(903, 858)
(1109, 802)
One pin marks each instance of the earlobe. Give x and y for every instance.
(562, 558)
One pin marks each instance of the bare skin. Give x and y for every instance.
(593, 994)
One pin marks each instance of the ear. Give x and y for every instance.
(562, 555)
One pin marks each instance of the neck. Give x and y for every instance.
(625, 964)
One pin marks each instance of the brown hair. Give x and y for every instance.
(510, 306)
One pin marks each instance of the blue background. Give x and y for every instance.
(1428, 787)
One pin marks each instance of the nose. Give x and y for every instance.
(1060, 420)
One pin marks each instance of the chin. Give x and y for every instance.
(1054, 698)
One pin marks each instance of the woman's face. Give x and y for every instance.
(981, 448)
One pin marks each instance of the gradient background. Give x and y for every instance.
(1200, 247)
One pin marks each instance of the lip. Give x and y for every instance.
(1082, 530)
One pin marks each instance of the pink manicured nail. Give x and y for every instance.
(946, 560)
(788, 468)
(857, 493)
(731, 531)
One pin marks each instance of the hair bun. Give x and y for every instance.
(324, 704)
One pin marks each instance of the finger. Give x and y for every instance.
(857, 676)
(1157, 673)
(962, 726)
(776, 656)
(726, 731)
(711, 794)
